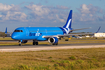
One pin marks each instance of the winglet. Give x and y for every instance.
(6, 30)
(98, 29)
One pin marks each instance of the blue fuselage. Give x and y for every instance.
(36, 33)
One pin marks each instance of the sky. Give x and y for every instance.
(52, 13)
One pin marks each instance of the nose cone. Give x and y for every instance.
(14, 36)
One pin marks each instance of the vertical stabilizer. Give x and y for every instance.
(69, 21)
(98, 29)
(6, 30)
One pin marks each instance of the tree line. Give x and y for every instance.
(2, 34)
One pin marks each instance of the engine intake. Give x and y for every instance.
(53, 40)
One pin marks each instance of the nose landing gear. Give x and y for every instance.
(20, 43)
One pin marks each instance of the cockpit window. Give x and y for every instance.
(18, 31)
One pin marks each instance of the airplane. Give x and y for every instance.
(50, 34)
(7, 34)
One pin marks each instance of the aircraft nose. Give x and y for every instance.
(14, 36)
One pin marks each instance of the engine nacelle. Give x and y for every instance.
(24, 41)
(53, 40)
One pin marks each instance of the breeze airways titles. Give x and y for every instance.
(35, 34)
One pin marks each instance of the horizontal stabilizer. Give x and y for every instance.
(80, 29)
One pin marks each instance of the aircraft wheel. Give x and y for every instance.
(36, 43)
(20, 43)
(55, 44)
(33, 43)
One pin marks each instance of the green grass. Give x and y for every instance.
(5, 38)
(71, 59)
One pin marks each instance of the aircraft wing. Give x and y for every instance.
(66, 35)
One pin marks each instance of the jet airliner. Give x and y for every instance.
(50, 34)
(7, 34)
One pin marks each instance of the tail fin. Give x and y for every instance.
(69, 21)
(98, 29)
(6, 30)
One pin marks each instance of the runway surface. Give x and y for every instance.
(48, 47)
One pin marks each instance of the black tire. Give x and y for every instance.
(36, 43)
(55, 44)
(20, 44)
(33, 43)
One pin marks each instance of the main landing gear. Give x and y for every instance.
(35, 42)
(55, 44)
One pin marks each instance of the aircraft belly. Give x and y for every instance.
(36, 38)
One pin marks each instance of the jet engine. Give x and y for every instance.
(53, 40)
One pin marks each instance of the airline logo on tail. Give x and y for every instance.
(67, 27)
(68, 24)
